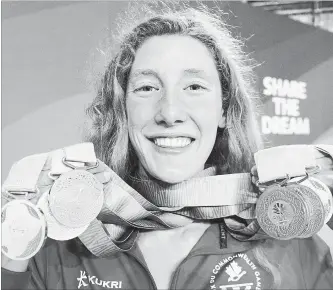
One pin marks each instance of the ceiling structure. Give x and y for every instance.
(295, 7)
(317, 13)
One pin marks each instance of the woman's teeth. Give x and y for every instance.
(176, 142)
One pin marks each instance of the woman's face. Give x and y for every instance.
(174, 106)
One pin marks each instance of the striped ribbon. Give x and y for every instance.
(151, 205)
(125, 210)
(204, 197)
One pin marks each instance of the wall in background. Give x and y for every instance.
(47, 55)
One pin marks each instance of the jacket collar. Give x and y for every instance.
(215, 240)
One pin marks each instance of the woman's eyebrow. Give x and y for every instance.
(196, 72)
(144, 72)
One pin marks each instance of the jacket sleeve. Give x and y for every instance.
(316, 262)
(33, 278)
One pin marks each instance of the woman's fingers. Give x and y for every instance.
(325, 163)
(103, 177)
(44, 179)
(254, 175)
(323, 160)
(100, 168)
(254, 170)
(254, 179)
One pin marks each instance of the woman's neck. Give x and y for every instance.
(149, 186)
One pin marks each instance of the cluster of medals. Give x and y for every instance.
(62, 213)
(294, 210)
(296, 207)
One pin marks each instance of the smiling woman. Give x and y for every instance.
(173, 114)
(180, 95)
(200, 89)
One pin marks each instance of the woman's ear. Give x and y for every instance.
(222, 122)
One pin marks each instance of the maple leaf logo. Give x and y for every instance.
(234, 271)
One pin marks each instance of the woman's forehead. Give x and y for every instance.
(173, 53)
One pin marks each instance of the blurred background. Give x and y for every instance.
(49, 49)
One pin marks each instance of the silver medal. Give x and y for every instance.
(23, 229)
(55, 230)
(76, 198)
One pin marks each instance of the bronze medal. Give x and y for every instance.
(324, 193)
(310, 191)
(281, 213)
(316, 213)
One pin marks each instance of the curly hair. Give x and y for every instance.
(235, 144)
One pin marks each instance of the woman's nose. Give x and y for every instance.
(170, 113)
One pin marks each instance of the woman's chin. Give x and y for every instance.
(173, 176)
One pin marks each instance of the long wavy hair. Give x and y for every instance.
(235, 144)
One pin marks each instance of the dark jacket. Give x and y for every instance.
(215, 262)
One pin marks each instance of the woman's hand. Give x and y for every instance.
(325, 174)
(254, 175)
(44, 183)
(102, 172)
(326, 169)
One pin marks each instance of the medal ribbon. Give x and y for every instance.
(125, 211)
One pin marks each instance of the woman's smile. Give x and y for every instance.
(171, 139)
(172, 142)
(172, 145)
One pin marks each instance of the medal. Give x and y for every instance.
(319, 199)
(76, 198)
(323, 192)
(315, 215)
(55, 230)
(282, 212)
(23, 229)
(297, 210)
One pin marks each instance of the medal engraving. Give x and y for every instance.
(23, 230)
(323, 193)
(76, 198)
(281, 213)
(292, 211)
(316, 211)
(317, 201)
(55, 230)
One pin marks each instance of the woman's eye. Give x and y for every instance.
(195, 87)
(146, 89)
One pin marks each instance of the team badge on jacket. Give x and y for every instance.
(235, 272)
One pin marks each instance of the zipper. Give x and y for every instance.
(173, 278)
(143, 265)
(176, 272)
